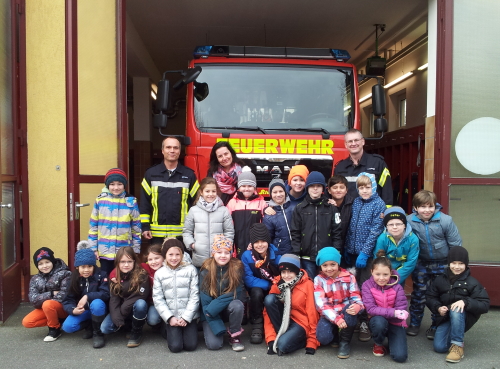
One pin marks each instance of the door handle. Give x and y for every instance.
(8, 206)
(77, 210)
(78, 205)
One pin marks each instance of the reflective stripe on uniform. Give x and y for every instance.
(154, 204)
(145, 218)
(146, 186)
(351, 178)
(193, 191)
(383, 177)
(184, 204)
(169, 184)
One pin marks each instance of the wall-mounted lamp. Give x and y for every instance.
(423, 67)
(364, 98)
(397, 80)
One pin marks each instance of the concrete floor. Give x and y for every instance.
(25, 348)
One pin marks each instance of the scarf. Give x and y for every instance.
(267, 270)
(452, 277)
(314, 201)
(210, 207)
(227, 181)
(285, 296)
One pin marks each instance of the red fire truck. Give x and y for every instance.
(277, 107)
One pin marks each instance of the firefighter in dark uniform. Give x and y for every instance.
(360, 161)
(166, 194)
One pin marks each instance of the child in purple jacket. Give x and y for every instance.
(385, 302)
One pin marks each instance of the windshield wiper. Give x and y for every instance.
(322, 130)
(255, 128)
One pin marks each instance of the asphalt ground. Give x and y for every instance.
(24, 348)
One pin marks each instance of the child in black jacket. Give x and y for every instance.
(458, 300)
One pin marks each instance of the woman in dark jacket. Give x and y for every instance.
(458, 300)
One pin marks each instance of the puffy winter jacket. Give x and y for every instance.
(436, 236)
(115, 222)
(345, 216)
(403, 256)
(384, 301)
(279, 226)
(331, 295)
(253, 277)
(43, 285)
(466, 288)
(176, 293)
(294, 201)
(201, 226)
(315, 224)
(96, 287)
(245, 213)
(302, 311)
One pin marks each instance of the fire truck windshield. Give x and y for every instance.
(288, 99)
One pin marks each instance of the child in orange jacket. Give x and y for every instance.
(290, 316)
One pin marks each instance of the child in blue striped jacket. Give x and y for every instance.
(115, 220)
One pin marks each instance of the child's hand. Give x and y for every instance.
(54, 293)
(78, 310)
(458, 306)
(181, 322)
(269, 211)
(113, 280)
(342, 324)
(401, 314)
(173, 322)
(82, 302)
(443, 310)
(332, 202)
(353, 309)
(361, 260)
(147, 235)
(249, 247)
(96, 255)
(192, 246)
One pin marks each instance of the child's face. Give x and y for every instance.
(126, 264)
(297, 184)
(222, 257)
(116, 187)
(45, 266)
(315, 191)
(396, 228)
(426, 211)
(365, 191)
(85, 270)
(247, 190)
(173, 256)
(155, 260)
(381, 274)
(338, 191)
(278, 195)
(457, 267)
(261, 247)
(209, 192)
(330, 268)
(288, 275)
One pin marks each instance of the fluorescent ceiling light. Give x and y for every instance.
(397, 80)
(347, 108)
(365, 98)
(423, 67)
(153, 95)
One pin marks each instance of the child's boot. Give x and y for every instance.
(456, 354)
(97, 335)
(257, 331)
(345, 340)
(136, 333)
(87, 330)
(235, 340)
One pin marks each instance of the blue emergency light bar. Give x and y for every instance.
(270, 52)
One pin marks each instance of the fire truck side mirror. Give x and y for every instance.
(378, 100)
(380, 125)
(189, 77)
(162, 96)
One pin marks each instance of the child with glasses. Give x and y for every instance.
(399, 243)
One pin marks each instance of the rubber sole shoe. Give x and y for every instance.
(430, 333)
(54, 334)
(236, 344)
(379, 350)
(412, 330)
(364, 332)
(456, 354)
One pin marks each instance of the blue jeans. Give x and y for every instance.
(233, 313)
(310, 267)
(153, 317)
(381, 328)
(450, 332)
(139, 312)
(326, 330)
(73, 322)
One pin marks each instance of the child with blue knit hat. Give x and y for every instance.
(338, 301)
(315, 224)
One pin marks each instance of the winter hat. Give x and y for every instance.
(328, 254)
(84, 255)
(169, 243)
(259, 232)
(298, 170)
(117, 175)
(44, 253)
(247, 178)
(458, 253)
(315, 178)
(372, 179)
(290, 262)
(394, 212)
(221, 242)
(276, 182)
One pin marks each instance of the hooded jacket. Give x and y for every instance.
(315, 224)
(201, 226)
(302, 311)
(466, 288)
(253, 277)
(96, 287)
(366, 224)
(43, 285)
(404, 255)
(331, 295)
(384, 301)
(436, 236)
(279, 226)
(294, 201)
(176, 293)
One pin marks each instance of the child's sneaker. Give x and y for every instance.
(54, 334)
(412, 330)
(379, 350)
(456, 354)
(430, 333)
(364, 332)
(236, 343)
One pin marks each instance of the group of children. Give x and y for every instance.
(308, 269)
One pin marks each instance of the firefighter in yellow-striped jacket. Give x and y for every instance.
(166, 194)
